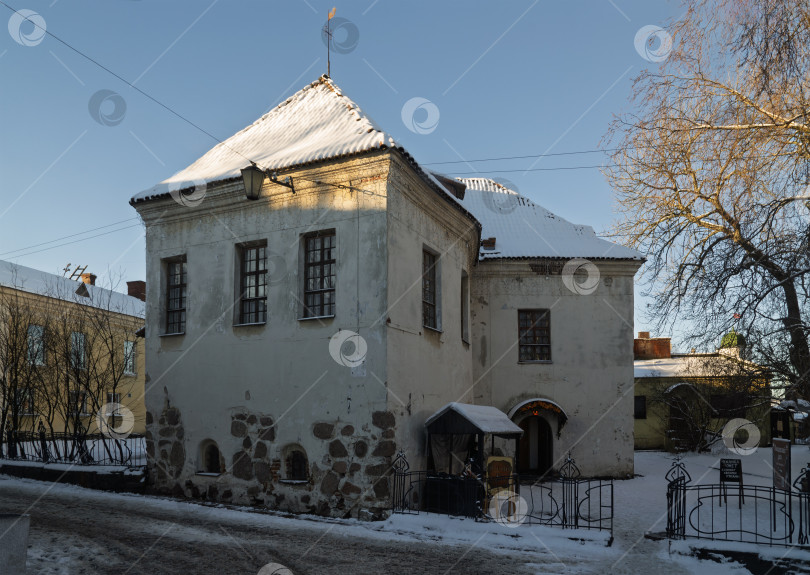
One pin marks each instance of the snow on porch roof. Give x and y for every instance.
(523, 229)
(484, 418)
(316, 123)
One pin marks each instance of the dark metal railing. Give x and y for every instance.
(742, 513)
(568, 501)
(75, 449)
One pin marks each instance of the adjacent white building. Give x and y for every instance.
(297, 341)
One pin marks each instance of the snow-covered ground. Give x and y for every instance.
(75, 530)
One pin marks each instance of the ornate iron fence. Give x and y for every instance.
(569, 501)
(742, 513)
(75, 449)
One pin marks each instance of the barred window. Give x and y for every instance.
(320, 274)
(429, 291)
(176, 297)
(465, 307)
(534, 335)
(253, 303)
(297, 466)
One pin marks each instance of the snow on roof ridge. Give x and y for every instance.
(308, 126)
(525, 229)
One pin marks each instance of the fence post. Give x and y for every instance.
(398, 492)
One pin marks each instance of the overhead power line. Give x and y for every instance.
(125, 81)
(77, 241)
(497, 159)
(69, 236)
(484, 172)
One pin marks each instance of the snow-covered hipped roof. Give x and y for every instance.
(316, 123)
(42, 283)
(523, 229)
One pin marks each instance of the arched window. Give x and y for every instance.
(211, 459)
(297, 467)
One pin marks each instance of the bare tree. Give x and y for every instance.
(22, 353)
(711, 171)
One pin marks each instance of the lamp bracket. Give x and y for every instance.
(286, 182)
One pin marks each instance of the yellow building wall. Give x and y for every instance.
(131, 388)
(651, 433)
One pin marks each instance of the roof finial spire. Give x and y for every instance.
(329, 42)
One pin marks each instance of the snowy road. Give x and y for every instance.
(80, 531)
(76, 531)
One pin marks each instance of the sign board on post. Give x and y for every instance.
(731, 472)
(781, 464)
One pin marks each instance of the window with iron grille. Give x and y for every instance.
(320, 274)
(465, 307)
(429, 291)
(297, 467)
(176, 297)
(535, 335)
(253, 303)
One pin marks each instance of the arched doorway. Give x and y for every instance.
(536, 446)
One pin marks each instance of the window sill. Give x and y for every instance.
(172, 334)
(294, 481)
(535, 362)
(130, 374)
(207, 474)
(308, 319)
(254, 324)
(433, 329)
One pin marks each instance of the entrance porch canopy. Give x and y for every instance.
(456, 422)
(463, 418)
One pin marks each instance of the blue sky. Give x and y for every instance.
(507, 78)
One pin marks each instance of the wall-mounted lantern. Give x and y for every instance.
(253, 178)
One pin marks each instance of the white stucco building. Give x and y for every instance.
(296, 341)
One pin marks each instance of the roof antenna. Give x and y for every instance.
(329, 42)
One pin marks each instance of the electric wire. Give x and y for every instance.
(69, 236)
